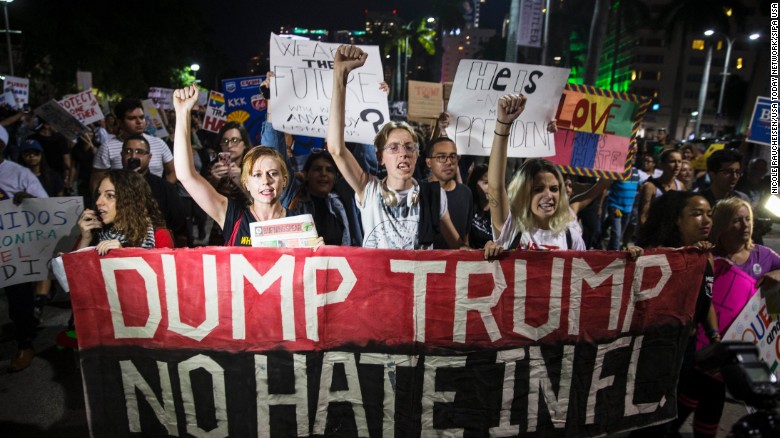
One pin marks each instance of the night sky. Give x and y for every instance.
(242, 27)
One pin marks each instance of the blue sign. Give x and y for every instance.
(759, 123)
(244, 103)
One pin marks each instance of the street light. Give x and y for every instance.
(729, 43)
(195, 67)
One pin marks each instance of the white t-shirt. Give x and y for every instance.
(16, 178)
(539, 239)
(109, 155)
(391, 227)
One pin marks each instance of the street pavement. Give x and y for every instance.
(46, 400)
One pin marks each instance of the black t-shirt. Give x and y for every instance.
(460, 205)
(481, 229)
(237, 212)
(704, 299)
(55, 147)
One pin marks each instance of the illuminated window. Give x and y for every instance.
(460, 47)
(720, 45)
(697, 45)
(633, 75)
(728, 11)
(658, 76)
(739, 63)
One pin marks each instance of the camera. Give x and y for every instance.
(133, 163)
(747, 379)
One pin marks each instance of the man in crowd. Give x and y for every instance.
(130, 113)
(57, 152)
(136, 155)
(17, 182)
(442, 160)
(724, 168)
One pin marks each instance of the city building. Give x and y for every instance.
(462, 44)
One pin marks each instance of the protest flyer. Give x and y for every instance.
(303, 83)
(473, 106)
(287, 232)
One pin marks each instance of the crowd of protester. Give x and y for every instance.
(404, 191)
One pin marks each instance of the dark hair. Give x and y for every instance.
(316, 155)
(434, 142)
(721, 157)
(661, 226)
(480, 200)
(125, 106)
(140, 137)
(235, 125)
(136, 208)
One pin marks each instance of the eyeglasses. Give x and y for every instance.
(395, 148)
(128, 151)
(444, 158)
(234, 140)
(731, 172)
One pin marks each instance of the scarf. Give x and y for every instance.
(114, 234)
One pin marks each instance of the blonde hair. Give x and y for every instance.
(381, 137)
(723, 214)
(519, 192)
(257, 153)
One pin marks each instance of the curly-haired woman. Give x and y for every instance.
(126, 215)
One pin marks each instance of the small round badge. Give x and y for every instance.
(757, 269)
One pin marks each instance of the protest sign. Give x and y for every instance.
(245, 104)
(62, 121)
(426, 99)
(83, 106)
(760, 122)
(755, 324)
(301, 90)
(8, 98)
(153, 119)
(20, 87)
(162, 97)
(731, 291)
(597, 131)
(34, 232)
(215, 112)
(84, 80)
(472, 106)
(290, 342)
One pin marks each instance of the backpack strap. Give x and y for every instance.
(568, 238)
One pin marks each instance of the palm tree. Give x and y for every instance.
(414, 33)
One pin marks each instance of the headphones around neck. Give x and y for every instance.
(390, 196)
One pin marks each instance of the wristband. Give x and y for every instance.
(503, 123)
(710, 332)
(500, 135)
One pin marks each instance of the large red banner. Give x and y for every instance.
(360, 342)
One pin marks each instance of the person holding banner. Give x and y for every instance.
(678, 219)
(126, 215)
(535, 207)
(732, 227)
(18, 182)
(397, 212)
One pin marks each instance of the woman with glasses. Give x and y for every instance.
(224, 173)
(263, 175)
(397, 212)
